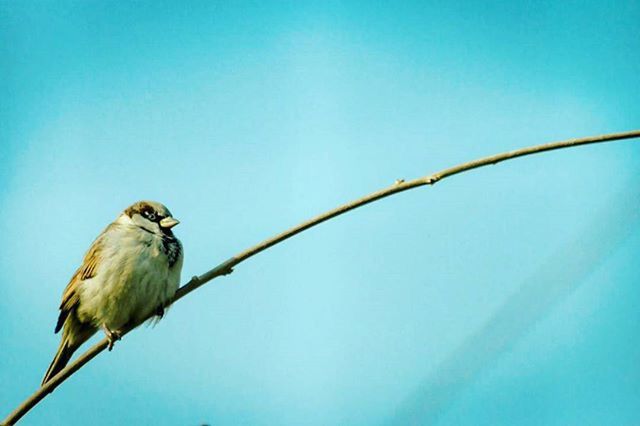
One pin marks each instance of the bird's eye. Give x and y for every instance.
(150, 215)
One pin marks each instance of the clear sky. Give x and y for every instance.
(508, 295)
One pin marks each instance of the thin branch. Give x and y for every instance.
(227, 266)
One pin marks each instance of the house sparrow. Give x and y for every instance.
(130, 271)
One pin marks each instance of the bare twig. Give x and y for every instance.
(227, 266)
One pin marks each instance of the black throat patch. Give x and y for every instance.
(171, 248)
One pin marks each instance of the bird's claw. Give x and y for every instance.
(112, 336)
(160, 311)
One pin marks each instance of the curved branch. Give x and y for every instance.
(227, 266)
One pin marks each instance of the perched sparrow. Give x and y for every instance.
(130, 271)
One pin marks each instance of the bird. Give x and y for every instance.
(131, 271)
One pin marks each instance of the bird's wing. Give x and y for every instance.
(88, 269)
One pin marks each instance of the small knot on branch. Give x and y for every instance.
(399, 182)
(430, 180)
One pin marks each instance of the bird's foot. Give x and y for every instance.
(112, 335)
(160, 311)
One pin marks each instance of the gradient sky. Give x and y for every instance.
(507, 295)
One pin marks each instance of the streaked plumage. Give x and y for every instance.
(130, 271)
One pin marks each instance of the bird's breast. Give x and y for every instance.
(135, 278)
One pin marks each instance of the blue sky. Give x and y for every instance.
(507, 295)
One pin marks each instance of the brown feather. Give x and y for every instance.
(75, 332)
(88, 269)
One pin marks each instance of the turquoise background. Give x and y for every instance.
(507, 295)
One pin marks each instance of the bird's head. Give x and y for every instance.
(151, 216)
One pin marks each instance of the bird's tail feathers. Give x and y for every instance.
(65, 351)
(73, 336)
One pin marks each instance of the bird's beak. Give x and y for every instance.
(169, 222)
